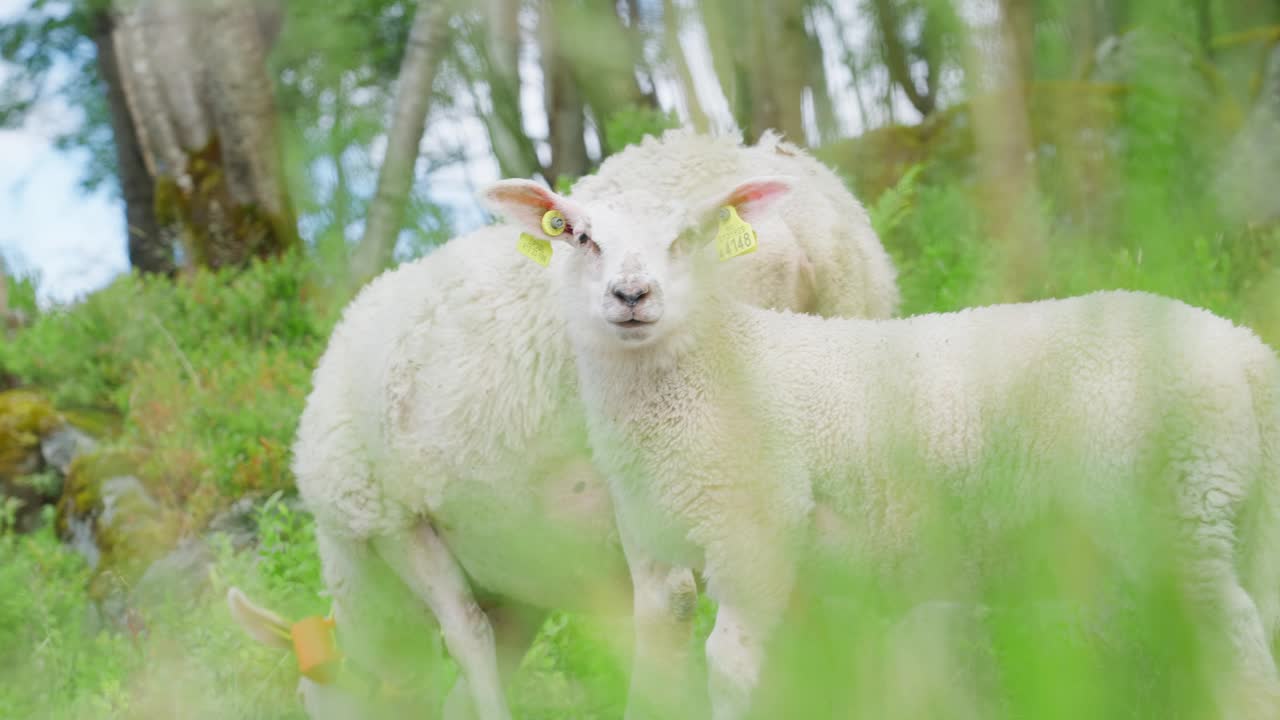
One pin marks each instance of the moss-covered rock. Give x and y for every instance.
(25, 418)
(108, 516)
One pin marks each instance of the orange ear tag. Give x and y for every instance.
(316, 648)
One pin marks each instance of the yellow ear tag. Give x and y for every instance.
(537, 250)
(553, 223)
(735, 236)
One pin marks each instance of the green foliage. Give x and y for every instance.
(895, 203)
(51, 42)
(88, 354)
(209, 372)
(62, 657)
(630, 125)
(287, 547)
(22, 293)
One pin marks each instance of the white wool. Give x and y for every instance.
(748, 442)
(772, 432)
(808, 412)
(448, 390)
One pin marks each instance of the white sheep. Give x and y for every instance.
(741, 442)
(444, 440)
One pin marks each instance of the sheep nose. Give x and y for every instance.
(631, 293)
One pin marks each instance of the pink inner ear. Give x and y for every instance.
(756, 191)
(529, 196)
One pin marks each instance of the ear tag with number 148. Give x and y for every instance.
(735, 236)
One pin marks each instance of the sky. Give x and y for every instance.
(72, 240)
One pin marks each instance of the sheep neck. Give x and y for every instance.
(619, 383)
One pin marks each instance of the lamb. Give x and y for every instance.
(443, 444)
(742, 442)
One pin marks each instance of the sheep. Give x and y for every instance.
(741, 442)
(443, 442)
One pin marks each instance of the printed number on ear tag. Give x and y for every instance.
(537, 250)
(735, 236)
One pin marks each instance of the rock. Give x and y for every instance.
(1250, 169)
(113, 521)
(26, 418)
(180, 574)
(63, 445)
(79, 535)
(239, 523)
(124, 499)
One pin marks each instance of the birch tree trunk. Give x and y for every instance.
(780, 74)
(565, 119)
(500, 47)
(408, 123)
(672, 22)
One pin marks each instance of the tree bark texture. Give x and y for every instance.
(149, 250)
(565, 113)
(202, 107)
(761, 55)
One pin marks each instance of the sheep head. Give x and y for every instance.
(632, 278)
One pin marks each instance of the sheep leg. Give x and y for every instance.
(366, 596)
(664, 601)
(751, 577)
(1244, 681)
(427, 567)
(1248, 686)
(514, 628)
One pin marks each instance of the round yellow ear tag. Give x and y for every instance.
(553, 223)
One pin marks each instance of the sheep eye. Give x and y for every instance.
(585, 241)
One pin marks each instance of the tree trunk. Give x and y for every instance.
(244, 114)
(603, 55)
(1018, 31)
(896, 59)
(500, 46)
(1006, 160)
(780, 75)
(194, 78)
(671, 24)
(563, 103)
(634, 34)
(727, 23)
(149, 250)
(823, 107)
(408, 122)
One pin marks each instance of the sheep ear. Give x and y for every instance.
(261, 624)
(752, 199)
(524, 203)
